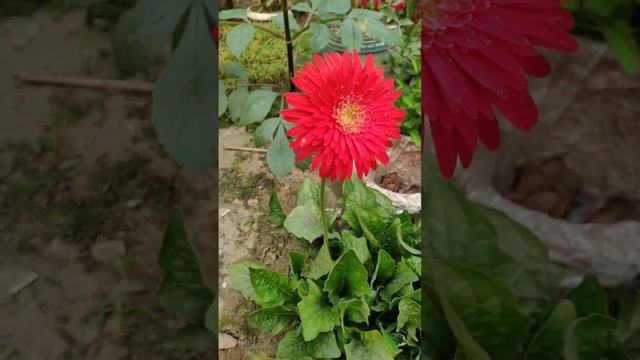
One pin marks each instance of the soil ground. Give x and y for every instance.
(85, 193)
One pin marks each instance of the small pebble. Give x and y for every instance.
(133, 203)
(226, 341)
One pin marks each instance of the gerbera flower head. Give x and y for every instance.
(344, 114)
(475, 55)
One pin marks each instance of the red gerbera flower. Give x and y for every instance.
(475, 54)
(345, 115)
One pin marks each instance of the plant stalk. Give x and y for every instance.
(325, 226)
(287, 36)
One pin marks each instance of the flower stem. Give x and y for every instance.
(287, 36)
(325, 226)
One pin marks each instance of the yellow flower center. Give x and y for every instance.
(350, 115)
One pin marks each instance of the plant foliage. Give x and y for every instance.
(183, 114)
(490, 291)
(358, 297)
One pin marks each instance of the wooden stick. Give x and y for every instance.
(88, 83)
(253, 150)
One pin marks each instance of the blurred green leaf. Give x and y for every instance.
(182, 290)
(182, 107)
(143, 32)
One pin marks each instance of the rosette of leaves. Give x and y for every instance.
(616, 21)
(357, 297)
(490, 291)
(247, 104)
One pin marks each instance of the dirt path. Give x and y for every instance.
(245, 233)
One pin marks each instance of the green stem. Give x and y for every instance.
(325, 226)
(287, 37)
(279, 36)
(306, 26)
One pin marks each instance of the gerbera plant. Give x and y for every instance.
(475, 55)
(358, 296)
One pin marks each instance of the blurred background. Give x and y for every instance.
(86, 191)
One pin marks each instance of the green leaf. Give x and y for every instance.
(321, 265)
(620, 37)
(233, 14)
(372, 225)
(548, 342)
(356, 195)
(239, 276)
(233, 68)
(143, 31)
(483, 315)
(181, 106)
(370, 346)
(358, 244)
(403, 276)
(588, 337)
(266, 131)
(316, 315)
(365, 14)
(321, 37)
(589, 297)
(600, 8)
(271, 288)
(305, 221)
(385, 267)
(302, 7)
(351, 34)
(355, 310)
(237, 101)
(211, 318)
(276, 214)
(484, 240)
(191, 337)
(239, 38)
(298, 263)
(333, 6)
(381, 32)
(409, 314)
(280, 157)
(257, 106)
(629, 316)
(437, 338)
(347, 279)
(222, 98)
(535, 279)
(273, 319)
(293, 347)
(389, 344)
(293, 23)
(182, 291)
(309, 190)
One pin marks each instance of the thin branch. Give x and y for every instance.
(246, 149)
(255, 26)
(87, 83)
